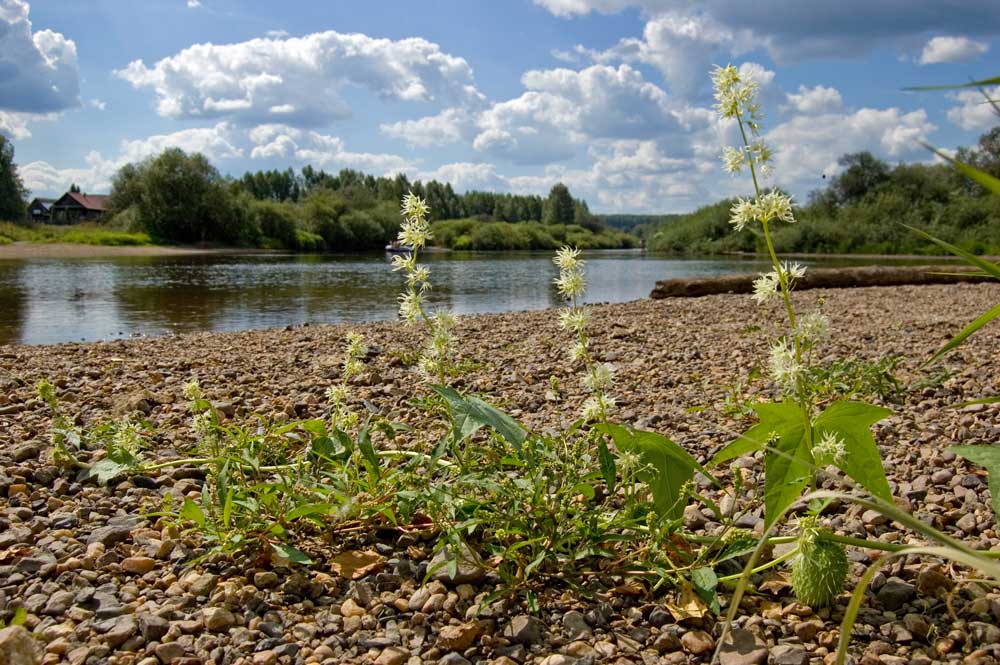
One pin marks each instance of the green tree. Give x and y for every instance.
(862, 173)
(559, 208)
(11, 188)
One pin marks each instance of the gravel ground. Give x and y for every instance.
(104, 585)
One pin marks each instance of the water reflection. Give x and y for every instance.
(45, 301)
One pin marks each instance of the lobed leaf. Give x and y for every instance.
(989, 458)
(851, 422)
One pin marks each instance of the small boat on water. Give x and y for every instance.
(396, 247)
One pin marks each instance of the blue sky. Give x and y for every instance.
(611, 97)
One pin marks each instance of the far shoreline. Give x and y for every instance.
(65, 250)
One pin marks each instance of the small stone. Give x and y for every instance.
(558, 659)
(524, 629)
(349, 608)
(916, 624)
(789, 654)
(110, 535)
(467, 571)
(453, 659)
(266, 657)
(458, 638)
(125, 627)
(25, 452)
(575, 625)
(743, 649)
(18, 647)
(138, 565)
(807, 630)
(967, 523)
(218, 619)
(874, 518)
(896, 593)
(153, 627)
(168, 652)
(265, 579)
(697, 642)
(392, 656)
(58, 603)
(199, 584)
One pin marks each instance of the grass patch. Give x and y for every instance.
(77, 234)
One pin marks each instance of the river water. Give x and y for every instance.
(46, 301)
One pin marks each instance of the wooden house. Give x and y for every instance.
(40, 210)
(75, 207)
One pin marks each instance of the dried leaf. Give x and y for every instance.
(356, 564)
(688, 606)
(776, 583)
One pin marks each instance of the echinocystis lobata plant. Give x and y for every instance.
(436, 357)
(798, 432)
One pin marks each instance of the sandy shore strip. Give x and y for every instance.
(131, 600)
(65, 250)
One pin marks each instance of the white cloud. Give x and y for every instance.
(98, 104)
(273, 141)
(193, 4)
(809, 146)
(449, 126)
(563, 109)
(816, 100)
(43, 178)
(974, 112)
(952, 49)
(792, 30)
(300, 78)
(38, 70)
(466, 176)
(15, 125)
(683, 46)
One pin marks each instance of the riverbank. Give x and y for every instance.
(676, 360)
(65, 250)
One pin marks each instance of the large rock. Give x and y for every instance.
(18, 647)
(467, 571)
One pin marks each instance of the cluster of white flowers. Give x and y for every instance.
(764, 209)
(812, 328)
(769, 283)
(192, 390)
(830, 449)
(127, 438)
(784, 366)
(415, 231)
(571, 284)
(436, 356)
(355, 351)
(735, 96)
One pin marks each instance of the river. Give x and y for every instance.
(47, 301)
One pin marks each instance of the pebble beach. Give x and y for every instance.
(103, 583)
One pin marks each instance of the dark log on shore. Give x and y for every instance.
(822, 278)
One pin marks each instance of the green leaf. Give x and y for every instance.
(368, 451)
(972, 84)
(308, 510)
(979, 262)
(967, 331)
(852, 421)
(471, 413)
(672, 465)
(608, 469)
(192, 511)
(705, 582)
(292, 554)
(781, 417)
(989, 458)
(107, 470)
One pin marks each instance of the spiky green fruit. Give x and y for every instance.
(820, 569)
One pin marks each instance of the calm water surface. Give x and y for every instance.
(45, 301)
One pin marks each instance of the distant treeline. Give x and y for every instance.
(860, 210)
(181, 198)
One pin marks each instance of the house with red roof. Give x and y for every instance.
(76, 207)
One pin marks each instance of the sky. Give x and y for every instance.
(611, 97)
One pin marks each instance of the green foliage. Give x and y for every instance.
(820, 568)
(12, 190)
(857, 211)
(85, 234)
(471, 234)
